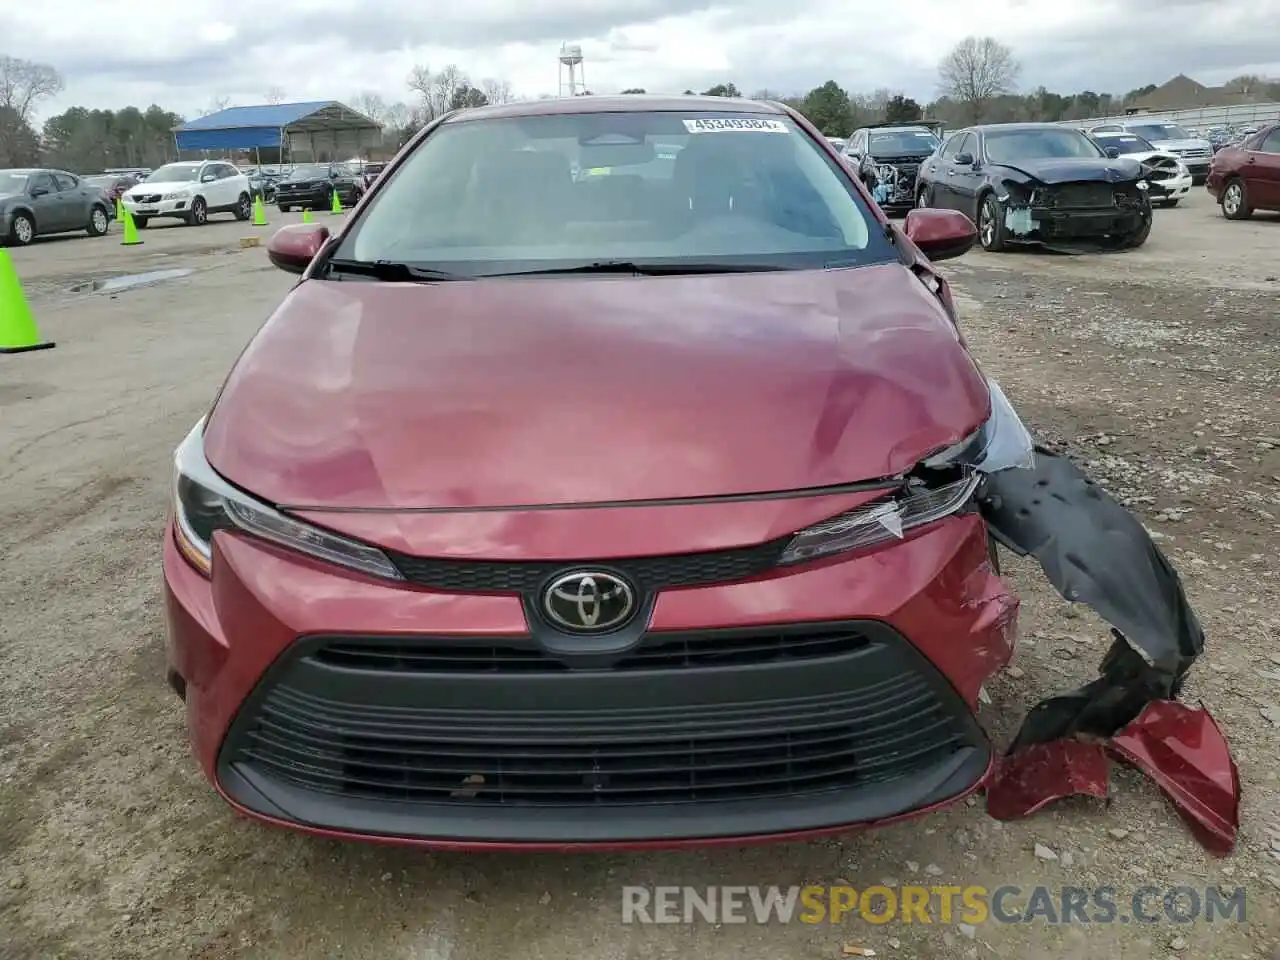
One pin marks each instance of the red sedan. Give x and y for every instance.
(621, 510)
(1246, 177)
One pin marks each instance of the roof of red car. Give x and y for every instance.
(624, 103)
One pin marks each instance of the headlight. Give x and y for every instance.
(915, 505)
(178, 195)
(1143, 185)
(203, 502)
(943, 486)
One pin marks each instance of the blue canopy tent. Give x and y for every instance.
(311, 128)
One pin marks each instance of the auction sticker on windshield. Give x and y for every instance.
(734, 124)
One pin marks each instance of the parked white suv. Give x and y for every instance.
(1167, 137)
(190, 191)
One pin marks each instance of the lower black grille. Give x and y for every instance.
(658, 755)
(1082, 195)
(651, 573)
(701, 748)
(657, 651)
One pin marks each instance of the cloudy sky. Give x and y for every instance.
(186, 54)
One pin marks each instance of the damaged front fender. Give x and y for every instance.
(1096, 552)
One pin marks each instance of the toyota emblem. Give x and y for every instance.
(589, 601)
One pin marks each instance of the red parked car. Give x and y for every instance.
(629, 510)
(1246, 177)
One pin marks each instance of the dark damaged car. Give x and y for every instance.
(527, 523)
(1039, 183)
(888, 157)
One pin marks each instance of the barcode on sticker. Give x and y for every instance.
(742, 124)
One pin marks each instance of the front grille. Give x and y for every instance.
(613, 757)
(1081, 195)
(651, 573)
(658, 651)
(148, 198)
(1193, 152)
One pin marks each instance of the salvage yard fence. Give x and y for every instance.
(1236, 115)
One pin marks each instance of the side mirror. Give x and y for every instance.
(39, 191)
(292, 248)
(940, 234)
(964, 160)
(1113, 152)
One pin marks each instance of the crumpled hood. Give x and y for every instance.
(1054, 170)
(576, 390)
(1146, 156)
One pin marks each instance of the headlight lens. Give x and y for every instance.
(203, 502)
(942, 486)
(888, 519)
(178, 195)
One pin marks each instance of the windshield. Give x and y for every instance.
(902, 143)
(1160, 131)
(1012, 146)
(175, 173)
(12, 182)
(309, 173)
(485, 197)
(1124, 142)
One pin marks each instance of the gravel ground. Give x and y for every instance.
(1157, 369)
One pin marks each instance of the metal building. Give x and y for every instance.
(316, 130)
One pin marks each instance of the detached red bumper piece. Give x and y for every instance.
(1095, 552)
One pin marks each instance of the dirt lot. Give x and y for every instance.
(1159, 369)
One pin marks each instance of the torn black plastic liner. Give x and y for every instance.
(1096, 552)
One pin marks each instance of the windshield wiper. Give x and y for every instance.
(392, 271)
(653, 269)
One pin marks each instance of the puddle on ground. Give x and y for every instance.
(130, 281)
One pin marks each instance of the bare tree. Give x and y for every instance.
(423, 82)
(218, 103)
(275, 95)
(975, 72)
(497, 91)
(445, 87)
(371, 105)
(24, 83)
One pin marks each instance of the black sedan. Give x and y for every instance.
(1038, 183)
(314, 186)
(40, 202)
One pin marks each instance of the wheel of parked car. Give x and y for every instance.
(199, 214)
(285, 208)
(244, 207)
(98, 222)
(991, 229)
(1140, 237)
(1170, 203)
(1235, 200)
(141, 222)
(22, 230)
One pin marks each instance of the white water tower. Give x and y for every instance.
(572, 77)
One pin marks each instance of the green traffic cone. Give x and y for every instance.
(119, 209)
(259, 213)
(306, 215)
(18, 332)
(131, 238)
(336, 207)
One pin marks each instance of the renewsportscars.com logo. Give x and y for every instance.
(933, 904)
